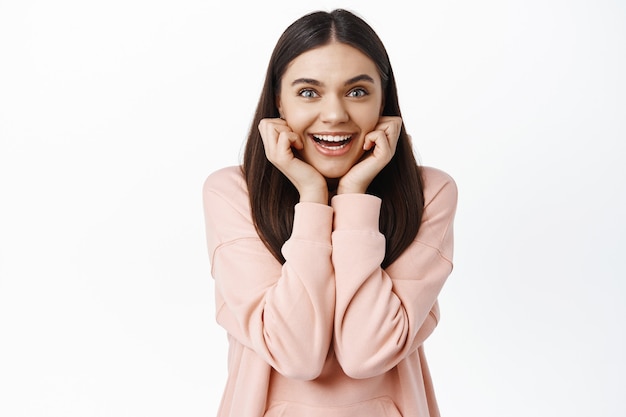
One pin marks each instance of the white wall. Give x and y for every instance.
(113, 113)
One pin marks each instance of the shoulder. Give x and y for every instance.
(226, 190)
(440, 204)
(224, 179)
(226, 208)
(438, 185)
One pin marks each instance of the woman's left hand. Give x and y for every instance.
(380, 146)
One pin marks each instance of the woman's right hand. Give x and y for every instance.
(279, 141)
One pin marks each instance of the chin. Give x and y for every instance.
(334, 169)
(332, 172)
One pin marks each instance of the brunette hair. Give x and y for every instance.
(399, 184)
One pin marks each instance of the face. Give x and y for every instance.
(332, 97)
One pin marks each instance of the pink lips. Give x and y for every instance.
(332, 144)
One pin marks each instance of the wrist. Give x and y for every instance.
(350, 190)
(347, 187)
(315, 195)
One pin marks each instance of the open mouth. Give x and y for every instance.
(331, 141)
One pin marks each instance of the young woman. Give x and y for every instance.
(329, 245)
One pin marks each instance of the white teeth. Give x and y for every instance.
(333, 147)
(330, 138)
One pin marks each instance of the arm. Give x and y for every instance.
(383, 315)
(282, 312)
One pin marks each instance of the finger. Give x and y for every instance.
(391, 126)
(264, 123)
(370, 140)
(379, 144)
(393, 120)
(270, 129)
(294, 139)
(289, 139)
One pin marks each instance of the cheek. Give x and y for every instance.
(369, 120)
(298, 118)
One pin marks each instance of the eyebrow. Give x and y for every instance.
(312, 81)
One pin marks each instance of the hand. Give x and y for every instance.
(380, 146)
(278, 140)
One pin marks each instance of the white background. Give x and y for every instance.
(113, 113)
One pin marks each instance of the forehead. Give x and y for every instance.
(334, 61)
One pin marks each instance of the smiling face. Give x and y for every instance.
(332, 97)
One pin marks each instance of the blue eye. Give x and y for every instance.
(307, 93)
(358, 92)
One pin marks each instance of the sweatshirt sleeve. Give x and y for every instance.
(282, 312)
(381, 316)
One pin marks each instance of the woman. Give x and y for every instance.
(329, 245)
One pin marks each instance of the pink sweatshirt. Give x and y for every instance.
(329, 333)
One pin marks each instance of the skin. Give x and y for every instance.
(333, 91)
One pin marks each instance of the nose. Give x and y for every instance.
(333, 110)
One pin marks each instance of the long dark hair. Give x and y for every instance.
(399, 184)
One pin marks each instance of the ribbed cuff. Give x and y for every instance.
(356, 211)
(312, 221)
